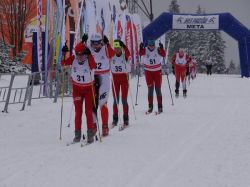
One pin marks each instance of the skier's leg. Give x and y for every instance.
(158, 82)
(177, 82)
(116, 93)
(78, 102)
(89, 104)
(103, 99)
(124, 90)
(150, 84)
(96, 90)
(183, 80)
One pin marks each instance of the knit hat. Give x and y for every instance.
(79, 48)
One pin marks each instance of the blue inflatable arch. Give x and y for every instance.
(224, 21)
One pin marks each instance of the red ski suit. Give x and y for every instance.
(180, 69)
(82, 91)
(153, 73)
(193, 68)
(120, 80)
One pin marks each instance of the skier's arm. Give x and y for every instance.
(162, 52)
(110, 51)
(92, 64)
(173, 60)
(188, 59)
(142, 50)
(91, 60)
(127, 53)
(68, 61)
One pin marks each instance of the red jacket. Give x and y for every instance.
(109, 51)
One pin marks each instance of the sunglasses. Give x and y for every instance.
(96, 42)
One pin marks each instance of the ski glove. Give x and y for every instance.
(87, 52)
(65, 48)
(141, 46)
(105, 40)
(122, 44)
(160, 45)
(85, 38)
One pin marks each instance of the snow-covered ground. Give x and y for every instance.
(201, 141)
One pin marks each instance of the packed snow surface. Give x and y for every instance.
(201, 141)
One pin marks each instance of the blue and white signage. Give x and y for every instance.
(196, 22)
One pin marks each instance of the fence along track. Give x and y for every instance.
(34, 88)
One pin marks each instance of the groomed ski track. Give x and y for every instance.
(203, 140)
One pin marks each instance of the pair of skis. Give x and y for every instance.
(155, 112)
(177, 96)
(121, 127)
(83, 142)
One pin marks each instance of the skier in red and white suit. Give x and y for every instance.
(82, 75)
(152, 59)
(120, 66)
(180, 62)
(102, 53)
(193, 67)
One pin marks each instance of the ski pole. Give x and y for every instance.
(137, 86)
(62, 96)
(170, 90)
(116, 99)
(70, 115)
(165, 62)
(95, 105)
(131, 98)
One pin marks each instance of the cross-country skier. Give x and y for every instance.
(102, 53)
(152, 65)
(209, 65)
(180, 61)
(193, 67)
(120, 66)
(82, 75)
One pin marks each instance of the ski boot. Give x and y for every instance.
(150, 109)
(184, 93)
(105, 130)
(176, 93)
(77, 137)
(125, 122)
(160, 109)
(177, 86)
(115, 120)
(91, 135)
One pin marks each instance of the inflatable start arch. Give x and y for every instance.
(223, 21)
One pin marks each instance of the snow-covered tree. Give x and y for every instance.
(231, 67)
(7, 64)
(202, 44)
(209, 44)
(217, 51)
(174, 7)
(175, 37)
(237, 70)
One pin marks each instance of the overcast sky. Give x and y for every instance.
(240, 9)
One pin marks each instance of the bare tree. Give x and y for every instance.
(14, 17)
